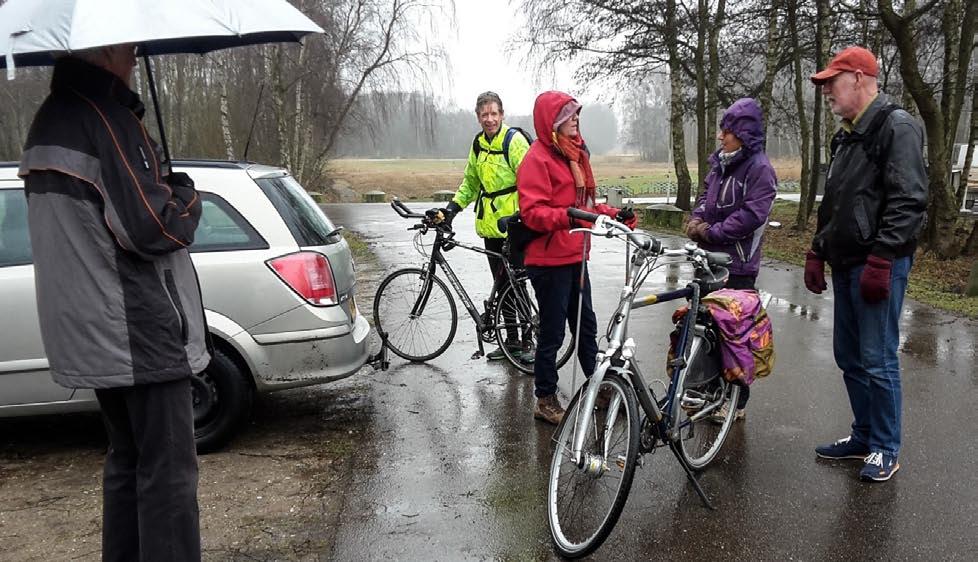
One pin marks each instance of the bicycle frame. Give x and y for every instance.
(438, 260)
(625, 351)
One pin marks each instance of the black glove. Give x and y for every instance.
(626, 216)
(182, 185)
(179, 179)
(448, 213)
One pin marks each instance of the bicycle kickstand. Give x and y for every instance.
(692, 478)
(481, 352)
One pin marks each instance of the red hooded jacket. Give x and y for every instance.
(547, 190)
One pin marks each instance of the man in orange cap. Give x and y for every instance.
(868, 224)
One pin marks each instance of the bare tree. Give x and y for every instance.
(941, 115)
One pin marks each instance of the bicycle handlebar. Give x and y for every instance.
(402, 209)
(641, 240)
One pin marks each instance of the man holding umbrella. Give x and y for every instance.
(118, 300)
(117, 295)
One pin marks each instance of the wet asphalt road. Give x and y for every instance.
(460, 468)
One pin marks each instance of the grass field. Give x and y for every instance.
(419, 178)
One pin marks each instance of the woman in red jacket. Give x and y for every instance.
(555, 175)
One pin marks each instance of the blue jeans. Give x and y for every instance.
(557, 289)
(865, 340)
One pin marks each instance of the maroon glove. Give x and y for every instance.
(691, 227)
(874, 283)
(815, 273)
(700, 232)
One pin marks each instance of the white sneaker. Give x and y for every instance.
(718, 416)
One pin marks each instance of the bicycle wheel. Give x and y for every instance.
(701, 392)
(418, 336)
(517, 320)
(585, 500)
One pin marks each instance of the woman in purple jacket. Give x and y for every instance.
(738, 194)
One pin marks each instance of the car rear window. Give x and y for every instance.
(15, 239)
(222, 228)
(305, 220)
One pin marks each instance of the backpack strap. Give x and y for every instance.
(871, 143)
(476, 146)
(870, 138)
(509, 138)
(483, 194)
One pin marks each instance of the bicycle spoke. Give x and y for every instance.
(586, 500)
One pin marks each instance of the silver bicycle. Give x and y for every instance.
(616, 416)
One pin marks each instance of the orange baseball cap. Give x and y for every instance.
(849, 59)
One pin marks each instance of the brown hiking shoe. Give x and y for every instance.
(549, 409)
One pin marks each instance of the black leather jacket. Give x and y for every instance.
(876, 191)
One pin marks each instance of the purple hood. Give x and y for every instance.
(745, 120)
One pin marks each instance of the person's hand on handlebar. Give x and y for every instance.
(447, 212)
(626, 216)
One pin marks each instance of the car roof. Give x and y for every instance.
(8, 170)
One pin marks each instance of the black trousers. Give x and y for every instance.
(557, 289)
(500, 280)
(149, 489)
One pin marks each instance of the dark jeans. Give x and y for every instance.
(149, 490)
(743, 283)
(500, 280)
(557, 290)
(865, 340)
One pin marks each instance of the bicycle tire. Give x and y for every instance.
(701, 439)
(564, 530)
(522, 305)
(393, 302)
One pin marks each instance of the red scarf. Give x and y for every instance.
(572, 148)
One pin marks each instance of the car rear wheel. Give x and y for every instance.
(222, 401)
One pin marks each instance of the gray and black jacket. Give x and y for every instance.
(117, 295)
(876, 190)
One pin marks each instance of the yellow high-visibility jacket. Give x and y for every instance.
(490, 179)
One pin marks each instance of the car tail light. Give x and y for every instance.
(309, 274)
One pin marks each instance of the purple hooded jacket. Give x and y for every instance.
(738, 197)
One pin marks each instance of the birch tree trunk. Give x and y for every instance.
(804, 209)
(676, 111)
(713, 85)
(823, 16)
(770, 60)
(702, 128)
(273, 69)
(298, 127)
(226, 120)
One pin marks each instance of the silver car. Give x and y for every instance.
(277, 280)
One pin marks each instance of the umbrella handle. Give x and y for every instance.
(156, 106)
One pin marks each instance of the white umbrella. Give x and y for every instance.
(33, 32)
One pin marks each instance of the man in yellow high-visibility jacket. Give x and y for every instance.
(490, 182)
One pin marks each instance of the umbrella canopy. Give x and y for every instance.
(32, 31)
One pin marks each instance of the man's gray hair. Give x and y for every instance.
(488, 97)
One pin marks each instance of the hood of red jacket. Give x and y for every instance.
(545, 111)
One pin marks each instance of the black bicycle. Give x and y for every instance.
(416, 317)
